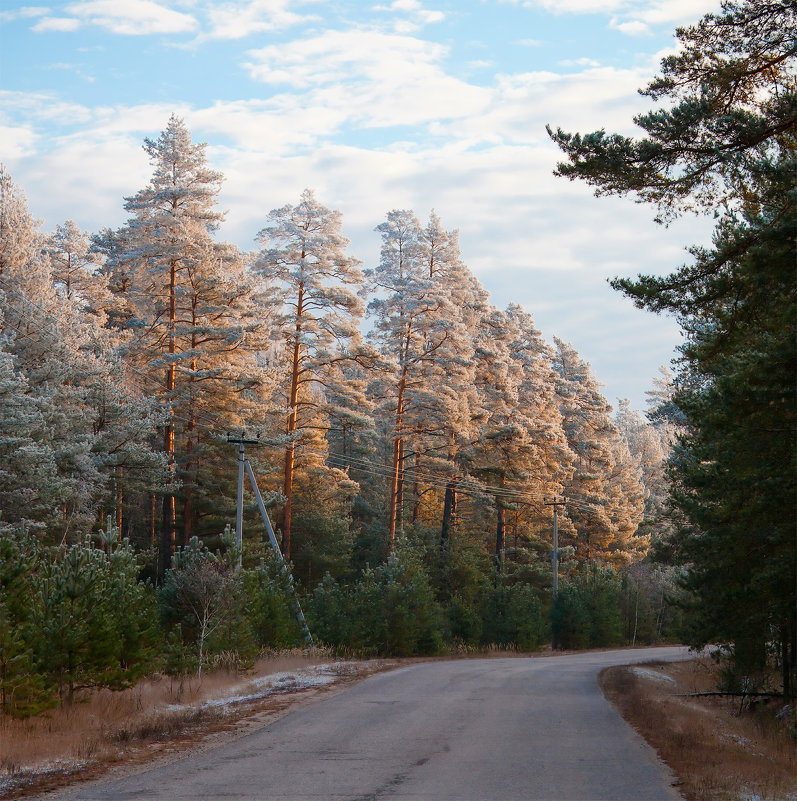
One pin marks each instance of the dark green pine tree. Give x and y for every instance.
(23, 690)
(726, 145)
(97, 624)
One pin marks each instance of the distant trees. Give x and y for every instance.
(725, 144)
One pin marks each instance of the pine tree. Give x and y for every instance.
(23, 690)
(65, 389)
(605, 494)
(74, 270)
(304, 254)
(190, 310)
(418, 326)
(726, 145)
(521, 454)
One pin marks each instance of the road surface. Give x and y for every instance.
(519, 729)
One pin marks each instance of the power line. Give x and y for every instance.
(201, 421)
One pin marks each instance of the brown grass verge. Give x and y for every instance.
(719, 749)
(157, 719)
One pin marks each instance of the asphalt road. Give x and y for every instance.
(467, 730)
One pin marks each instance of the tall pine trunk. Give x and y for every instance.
(169, 511)
(190, 441)
(500, 528)
(293, 414)
(397, 479)
(449, 503)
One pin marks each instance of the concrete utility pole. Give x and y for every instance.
(275, 545)
(240, 441)
(556, 502)
(243, 465)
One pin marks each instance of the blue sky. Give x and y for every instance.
(421, 104)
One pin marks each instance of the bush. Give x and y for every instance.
(512, 615)
(203, 594)
(97, 623)
(270, 607)
(390, 611)
(587, 611)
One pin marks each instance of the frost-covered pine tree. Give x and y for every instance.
(548, 463)
(443, 407)
(650, 449)
(418, 326)
(304, 258)
(75, 271)
(190, 311)
(20, 241)
(520, 455)
(68, 384)
(605, 494)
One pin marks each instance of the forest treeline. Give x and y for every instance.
(410, 471)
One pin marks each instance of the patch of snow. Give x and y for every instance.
(743, 743)
(273, 684)
(22, 778)
(652, 674)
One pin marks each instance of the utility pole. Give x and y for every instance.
(556, 502)
(243, 465)
(278, 552)
(240, 441)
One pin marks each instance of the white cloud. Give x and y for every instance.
(25, 12)
(674, 12)
(373, 79)
(236, 20)
(577, 6)
(17, 141)
(632, 28)
(580, 62)
(57, 24)
(632, 17)
(418, 16)
(130, 18)
(38, 107)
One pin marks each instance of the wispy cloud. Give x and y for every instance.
(25, 12)
(579, 62)
(410, 15)
(376, 79)
(57, 25)
(633, 27)
(128, 18)
(631, 17)
(241, 18)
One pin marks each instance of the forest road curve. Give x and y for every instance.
(516, 729)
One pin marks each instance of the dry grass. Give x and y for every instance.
(718, 749)
(101, 728)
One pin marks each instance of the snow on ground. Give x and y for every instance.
(20, 779)
(652, 674)
(275, 684)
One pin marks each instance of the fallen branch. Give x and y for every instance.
(733, 694)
